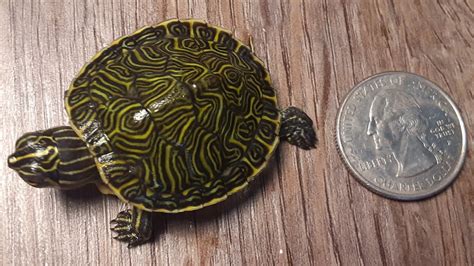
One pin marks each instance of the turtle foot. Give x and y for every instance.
(132, 226)
(297, 128)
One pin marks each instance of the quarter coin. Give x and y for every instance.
(401, 136)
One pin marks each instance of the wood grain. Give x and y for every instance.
(306, 208)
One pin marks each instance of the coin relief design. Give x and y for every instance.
(401, 136)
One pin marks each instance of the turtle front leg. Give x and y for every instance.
(297, 128)
(133, 226)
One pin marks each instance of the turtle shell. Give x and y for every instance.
(177, 116)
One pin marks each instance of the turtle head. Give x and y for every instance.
(36, 159)
(56, 157)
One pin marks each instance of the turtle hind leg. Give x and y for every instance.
(297, 128)
(133, 226)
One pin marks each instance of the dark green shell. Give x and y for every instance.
(178, 116)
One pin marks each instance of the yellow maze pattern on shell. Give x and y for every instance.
(177, 115)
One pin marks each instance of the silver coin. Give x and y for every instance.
(401, 136)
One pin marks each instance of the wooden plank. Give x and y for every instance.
(305, 208)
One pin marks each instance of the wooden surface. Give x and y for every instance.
(305, 208)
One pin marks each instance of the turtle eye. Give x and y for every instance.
(34, 169)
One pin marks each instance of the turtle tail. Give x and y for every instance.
(297, 128)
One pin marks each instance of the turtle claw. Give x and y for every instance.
(131, 238)
(132, 227)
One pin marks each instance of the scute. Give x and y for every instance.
(178, 116)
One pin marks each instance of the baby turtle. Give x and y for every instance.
(172, 118)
